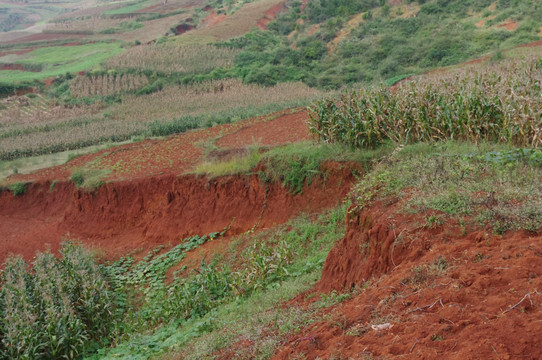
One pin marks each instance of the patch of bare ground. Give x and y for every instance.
(419, 291)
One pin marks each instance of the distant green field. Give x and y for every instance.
(58, 60)
(133, 6)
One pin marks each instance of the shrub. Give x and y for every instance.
(18, 188)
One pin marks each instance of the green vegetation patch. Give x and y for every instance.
(18, 188)
(484, 185)
(133, 6)
(61, 309)
(293, 165)
(58, 60)
(499, 103)
(297, 164)
(89, 179)
(216, 305)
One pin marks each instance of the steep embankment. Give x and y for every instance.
(141, 214)
(435, 290)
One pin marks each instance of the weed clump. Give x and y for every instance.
(18, 188)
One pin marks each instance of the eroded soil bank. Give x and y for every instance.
(425, 291)
(121, 217)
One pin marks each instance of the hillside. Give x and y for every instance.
(270, 179)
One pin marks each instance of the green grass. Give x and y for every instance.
(484, 185)
(58, 60)
(242, 164)
(236, 315)
(293, 165)
(297, 164)
(130, 8)
(88, 179)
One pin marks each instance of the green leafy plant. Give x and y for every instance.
(18, 188)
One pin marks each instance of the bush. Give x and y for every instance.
(18, 188)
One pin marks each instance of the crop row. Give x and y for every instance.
(172, 110)
(499, 103)
(170, 58)
(104, 85)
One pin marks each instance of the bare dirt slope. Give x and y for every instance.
(426, 293)
(146, 203)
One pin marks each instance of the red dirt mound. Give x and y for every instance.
(181, 29)
(443, 292)
(141, 214)
(269, 15)
(509, 25)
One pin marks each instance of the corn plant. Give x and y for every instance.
(170, 58)
(57, 310)
(499, 103)
(105, 85)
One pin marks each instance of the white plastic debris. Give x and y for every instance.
(381, 327)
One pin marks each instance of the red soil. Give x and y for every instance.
(121, 217)
(533, 44)
(509, 25)
(282, 130)
(213, 18)
(141, 209)
(182, 28)
(484, 305)
(17, 52)
(270, 14)
(181, 153)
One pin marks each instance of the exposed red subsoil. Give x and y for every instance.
(532, 44)
(269, 15)
(509, 25)
(446, 292)
(313, 29)
(141, 214)
(182, 28)
(213, 18)
(150, 201)
(181, 153)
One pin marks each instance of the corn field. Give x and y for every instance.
(498, 103)
(35, 126)
(169, 58)
(208, 97)
(104, 85)
(56, 311)
(86, 25)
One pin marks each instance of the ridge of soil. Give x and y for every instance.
(144, 213)
(461, 293)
